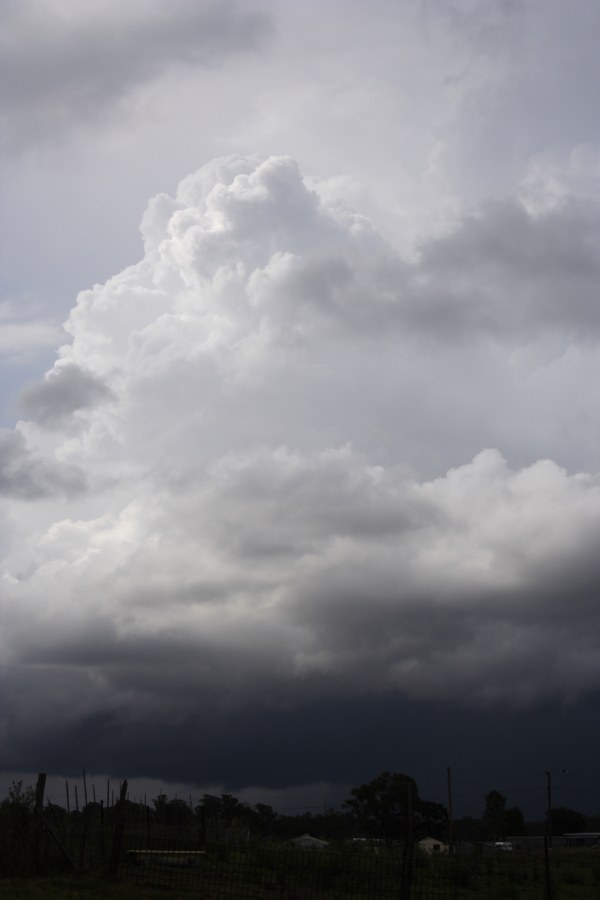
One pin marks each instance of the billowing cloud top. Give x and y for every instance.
(287, 494)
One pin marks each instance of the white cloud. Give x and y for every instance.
(30, 477)
(273, 413)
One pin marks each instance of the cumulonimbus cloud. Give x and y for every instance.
(287, 491)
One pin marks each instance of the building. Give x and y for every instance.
(432, 845)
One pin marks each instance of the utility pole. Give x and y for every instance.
(549, 813)
(450, 816)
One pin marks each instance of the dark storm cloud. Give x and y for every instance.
(364, 620)
(60, 68)
(344, 741)
(65, 390)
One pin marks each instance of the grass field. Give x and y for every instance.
(277, 873)
(74, 888)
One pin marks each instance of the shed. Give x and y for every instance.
(432, 845)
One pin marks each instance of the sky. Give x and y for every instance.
(299, 420)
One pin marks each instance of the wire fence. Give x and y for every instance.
(275, 872)
(128, 842)
(283, 873)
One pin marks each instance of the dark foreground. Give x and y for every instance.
(365, 874)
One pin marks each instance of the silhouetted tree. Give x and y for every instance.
(468, 829)
(494, 815)
(566, 820)
(382, 806)
(265, 818)
(431, 819)
(514, 821)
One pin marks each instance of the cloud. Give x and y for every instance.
(509, 271)
(19, 340)
(27, 477)
(65, 390)
(61, 65)
(287, 501)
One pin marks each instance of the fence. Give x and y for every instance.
(277, 872)
(129, 842)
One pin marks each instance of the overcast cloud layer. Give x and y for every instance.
(331, 442)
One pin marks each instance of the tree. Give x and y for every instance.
(159, 803)
(566, 820)
(177, 812)
(468, 829)
(231, 809)
(432, 819)
(494, 815)
(17, 809)
(211, 805)
(265, 818)
(18, 829)
(172, 812)
(384, 807)
(514, 821)
(19, 796)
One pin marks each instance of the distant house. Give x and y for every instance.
(432, 845)
(308, 842)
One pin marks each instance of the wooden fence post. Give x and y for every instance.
(547, 868)
(409, 850)
(38, 820)
(118, 833)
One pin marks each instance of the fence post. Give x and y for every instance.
(547, 866)
(408, 856)
(202, 828)
(38, 828)
(39, 793)
(118, 833)
(57, 837)
(102, 837)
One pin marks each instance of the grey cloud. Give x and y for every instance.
(26, 477)
(298, 502)
(57, 70)
(65, 390)
(512, 274)
(360, 626)
(427, 598)
(256, 536)
(503, 274)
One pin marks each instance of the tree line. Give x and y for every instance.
(387, 808)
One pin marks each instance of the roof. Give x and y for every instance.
(307, 840)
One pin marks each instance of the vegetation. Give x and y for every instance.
(80, 888)
(248, 851)
(363, 874)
